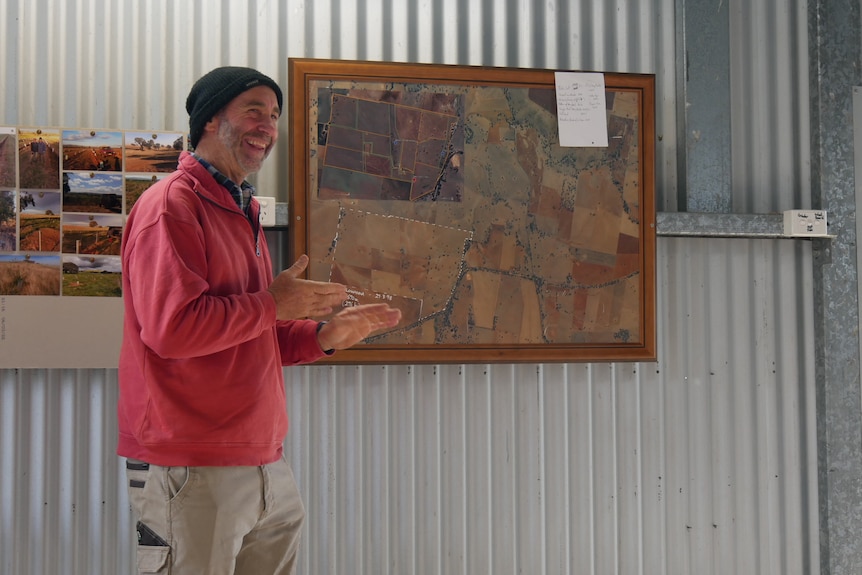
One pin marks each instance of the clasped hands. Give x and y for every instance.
(300, 298)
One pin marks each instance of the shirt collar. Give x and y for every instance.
(240, 193)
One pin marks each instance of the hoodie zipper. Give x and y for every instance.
(254, 222)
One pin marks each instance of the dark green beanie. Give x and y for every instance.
(214, 90)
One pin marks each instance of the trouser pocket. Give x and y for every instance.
(153, 560)
(153, 552)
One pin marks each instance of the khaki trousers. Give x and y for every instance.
(216, 520)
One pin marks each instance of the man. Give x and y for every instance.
(202, 413)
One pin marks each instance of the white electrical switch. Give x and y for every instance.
(805, 223)
(267, 210)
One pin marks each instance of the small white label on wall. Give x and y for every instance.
(805, 223)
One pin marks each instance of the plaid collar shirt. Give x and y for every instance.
(240, 193)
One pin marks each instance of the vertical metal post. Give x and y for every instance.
(835, 35)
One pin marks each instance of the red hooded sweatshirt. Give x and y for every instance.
(200, 368)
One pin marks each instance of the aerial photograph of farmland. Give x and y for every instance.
(152, 152)
(29, 275)
(39, 158)
(39, 216)
(137, 184)
(92, 150)
(92, 192)
(92, 276)
(93, 234)
(7, 157)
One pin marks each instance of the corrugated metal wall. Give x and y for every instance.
(703, 462)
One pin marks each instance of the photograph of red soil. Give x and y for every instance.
(39, 159)
(40, 233)
(92, 158)
(149, 160)
(97, 240)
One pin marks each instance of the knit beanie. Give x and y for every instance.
(214, 90)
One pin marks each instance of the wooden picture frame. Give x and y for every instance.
(443, 190)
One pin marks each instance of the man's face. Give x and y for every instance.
(247, 130)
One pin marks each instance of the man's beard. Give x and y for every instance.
(232, 140)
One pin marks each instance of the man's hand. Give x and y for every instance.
(353, 324)
(297, 298)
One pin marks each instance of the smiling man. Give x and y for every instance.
(202, 415)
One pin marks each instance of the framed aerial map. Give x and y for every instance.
(444, 191)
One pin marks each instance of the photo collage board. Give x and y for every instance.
(64, 198)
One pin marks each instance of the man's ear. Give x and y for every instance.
(212, 125)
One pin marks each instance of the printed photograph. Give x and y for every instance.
(8, 223)
(39, 221)
(137, 185)
(92, 150)
(8, 142)
(92, 234)
(152, 152)
(39, 159)
(92, 192)
(28, 274)
(93, 276)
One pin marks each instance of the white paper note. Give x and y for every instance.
(581, 109)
